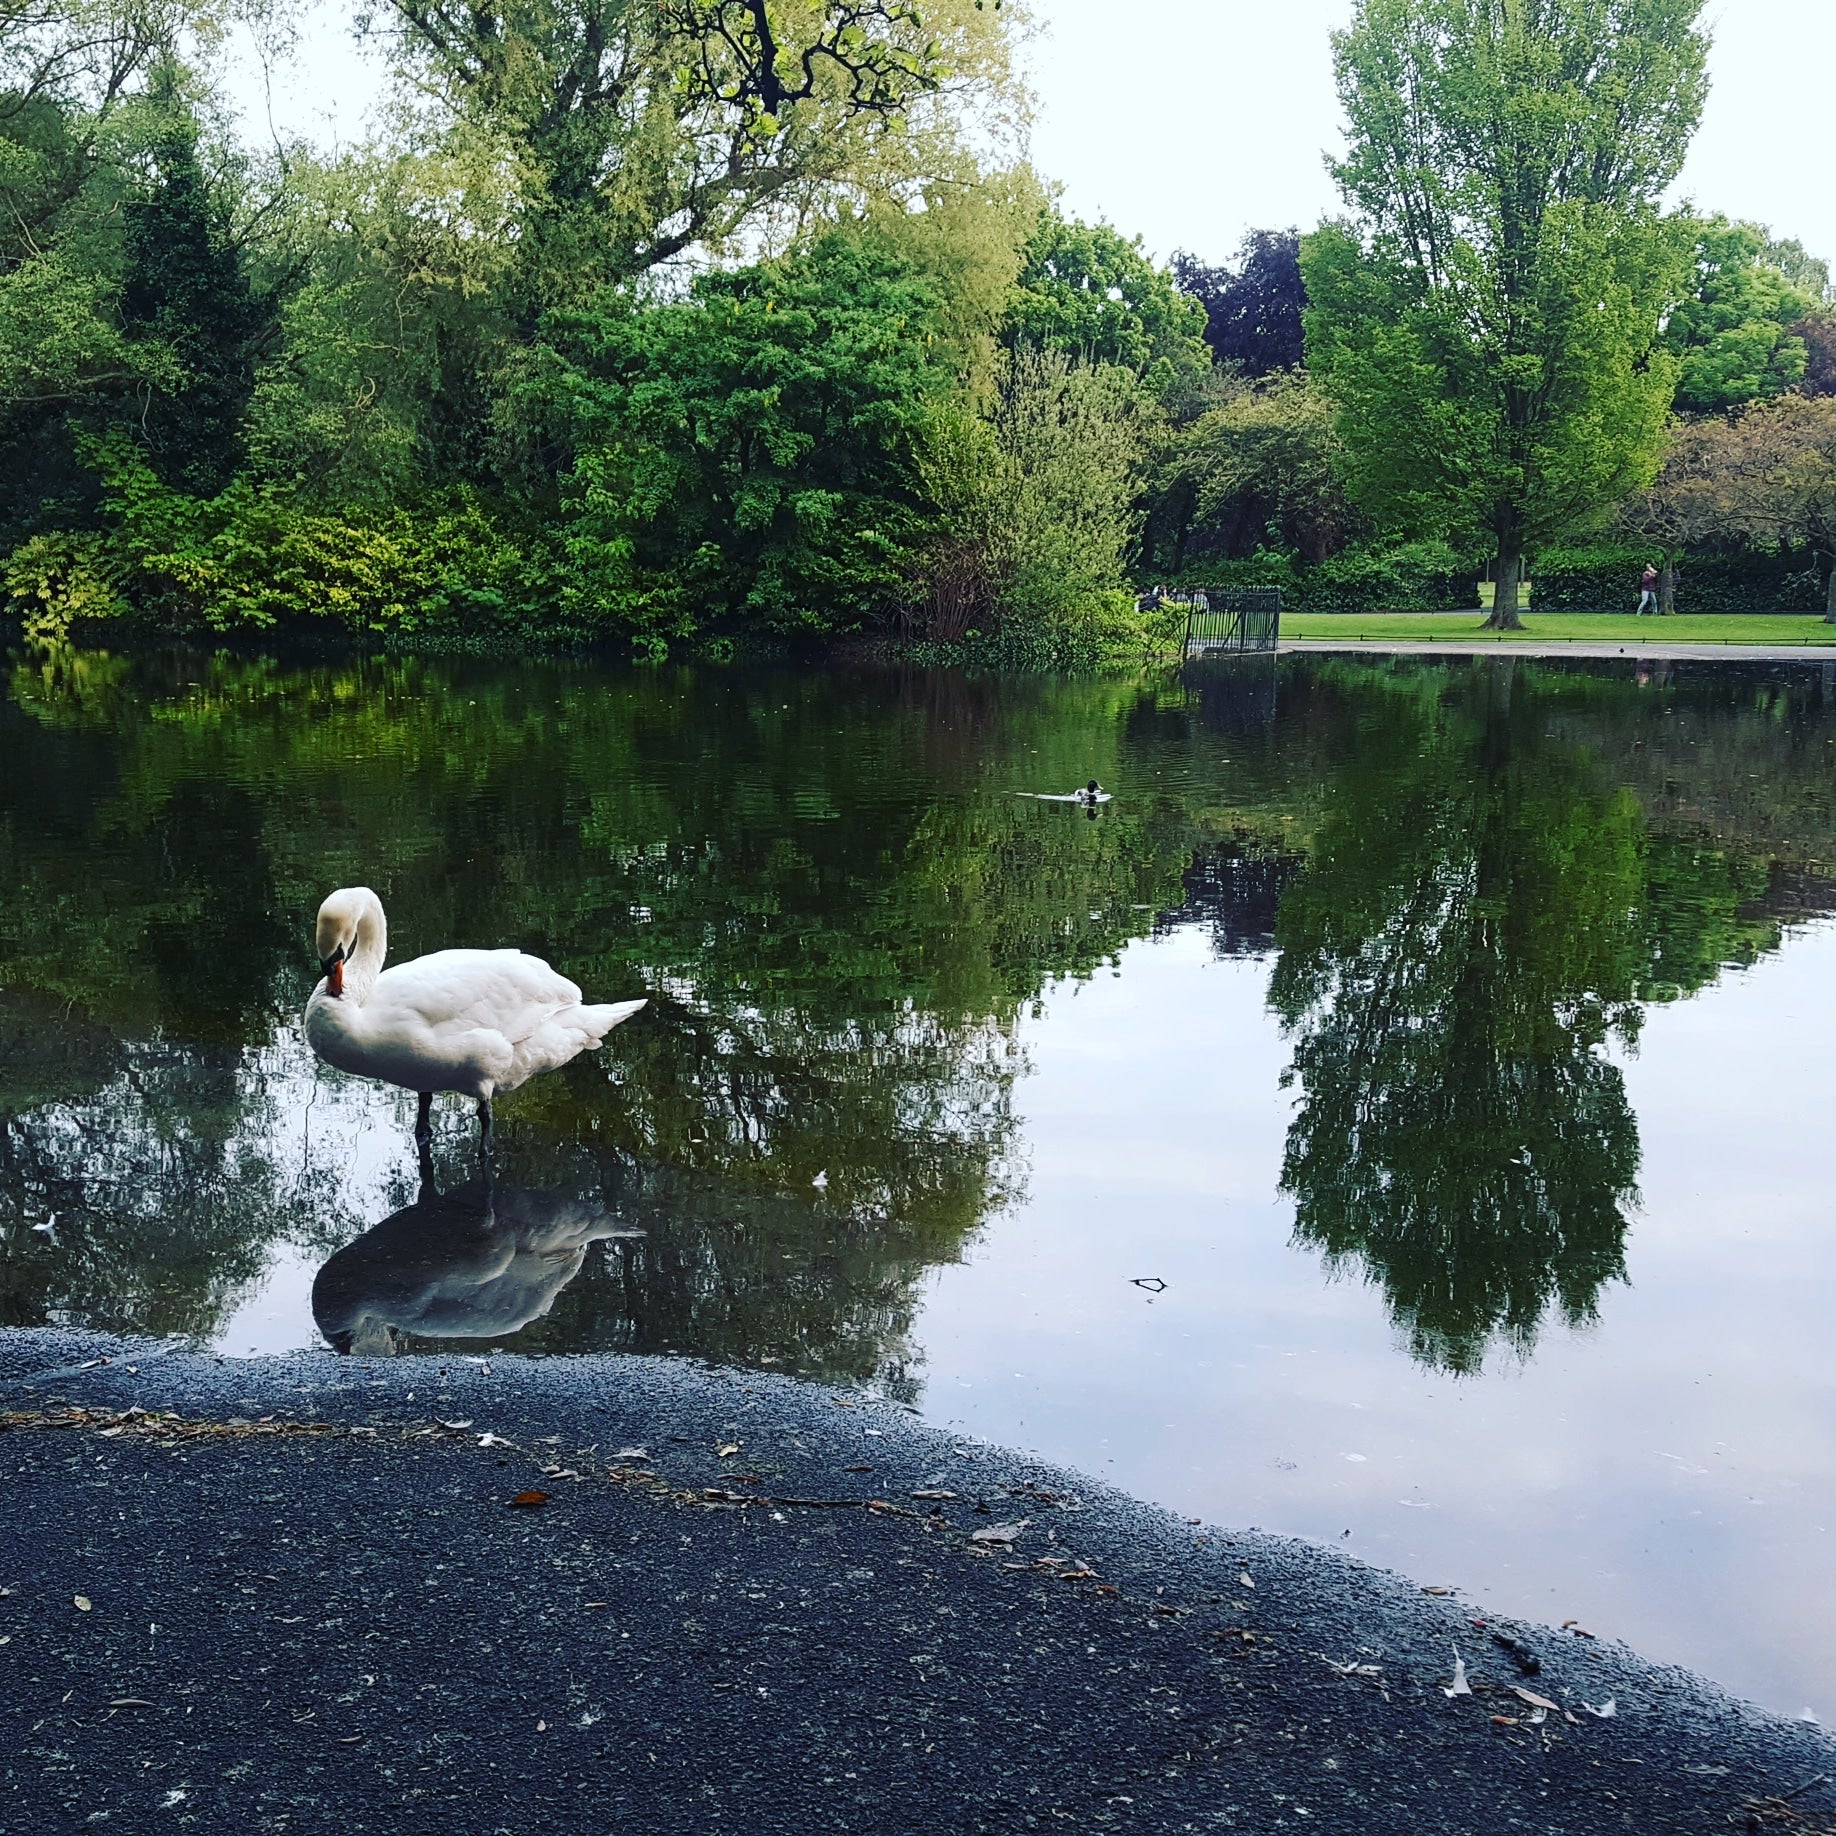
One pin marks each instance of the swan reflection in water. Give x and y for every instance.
(478, 1262)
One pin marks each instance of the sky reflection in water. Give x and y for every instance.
(1451, 1040)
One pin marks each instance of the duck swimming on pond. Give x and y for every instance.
(479, 1022)
(1088, 797)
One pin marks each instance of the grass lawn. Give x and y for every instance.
(1555, 627)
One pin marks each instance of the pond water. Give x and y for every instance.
(1401, 1117)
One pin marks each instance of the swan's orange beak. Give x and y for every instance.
(333, 966)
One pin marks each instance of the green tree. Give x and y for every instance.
(1488, 322)
(185, 293)
(752, 448)
(72, 122)
(1733, 333)
(643, 129)
(1091, 292)
(1264, 469)
(1038, 493)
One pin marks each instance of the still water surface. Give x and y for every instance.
(1401, 1117)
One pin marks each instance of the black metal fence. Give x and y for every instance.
(1228, 618)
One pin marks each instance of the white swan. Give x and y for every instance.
(476, 1021)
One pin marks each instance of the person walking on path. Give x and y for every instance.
(1647, 591)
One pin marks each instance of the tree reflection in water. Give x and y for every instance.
(1453, 962)
(842, 915)
(836, 914)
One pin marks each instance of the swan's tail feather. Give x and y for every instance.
(599, 1021)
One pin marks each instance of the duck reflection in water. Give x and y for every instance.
(480, 1261)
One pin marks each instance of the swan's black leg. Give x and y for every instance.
(484, 1128)
(423, 1121)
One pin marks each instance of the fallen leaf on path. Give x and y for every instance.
(857, 1469)
(530, 1498)
(464, 1424)
(82, 1603)
(1530, 1696)
(933, 1492)
(1605, 1712)
(1504, 1721)
(632, 1453)
(1353, 1669)
(492, 1440)
(729, 1450)
(1437, 1590)
(1003, 1535)
(1459, 1686)
(1245, 1581)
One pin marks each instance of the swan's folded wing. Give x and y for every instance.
(501, 991)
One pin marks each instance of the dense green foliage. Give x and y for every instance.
(1093, 294)
(750, 452)
(1603, 577)
(639, 324)
(1734, 331)
(680, 326)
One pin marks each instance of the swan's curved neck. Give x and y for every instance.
(364, 964)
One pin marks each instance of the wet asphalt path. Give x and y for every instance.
(313, 1607)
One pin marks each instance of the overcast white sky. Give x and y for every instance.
(1191, 121)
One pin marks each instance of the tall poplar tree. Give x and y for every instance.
(1487, 321)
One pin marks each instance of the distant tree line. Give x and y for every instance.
(668, 324)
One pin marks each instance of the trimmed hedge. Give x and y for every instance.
(1429, 577)
(1416, 577)
(1605, 579)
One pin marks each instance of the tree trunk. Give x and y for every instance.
(1667, 587)
(1504, 597)
(1829, 604)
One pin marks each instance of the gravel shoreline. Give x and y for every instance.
(741, 1601)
